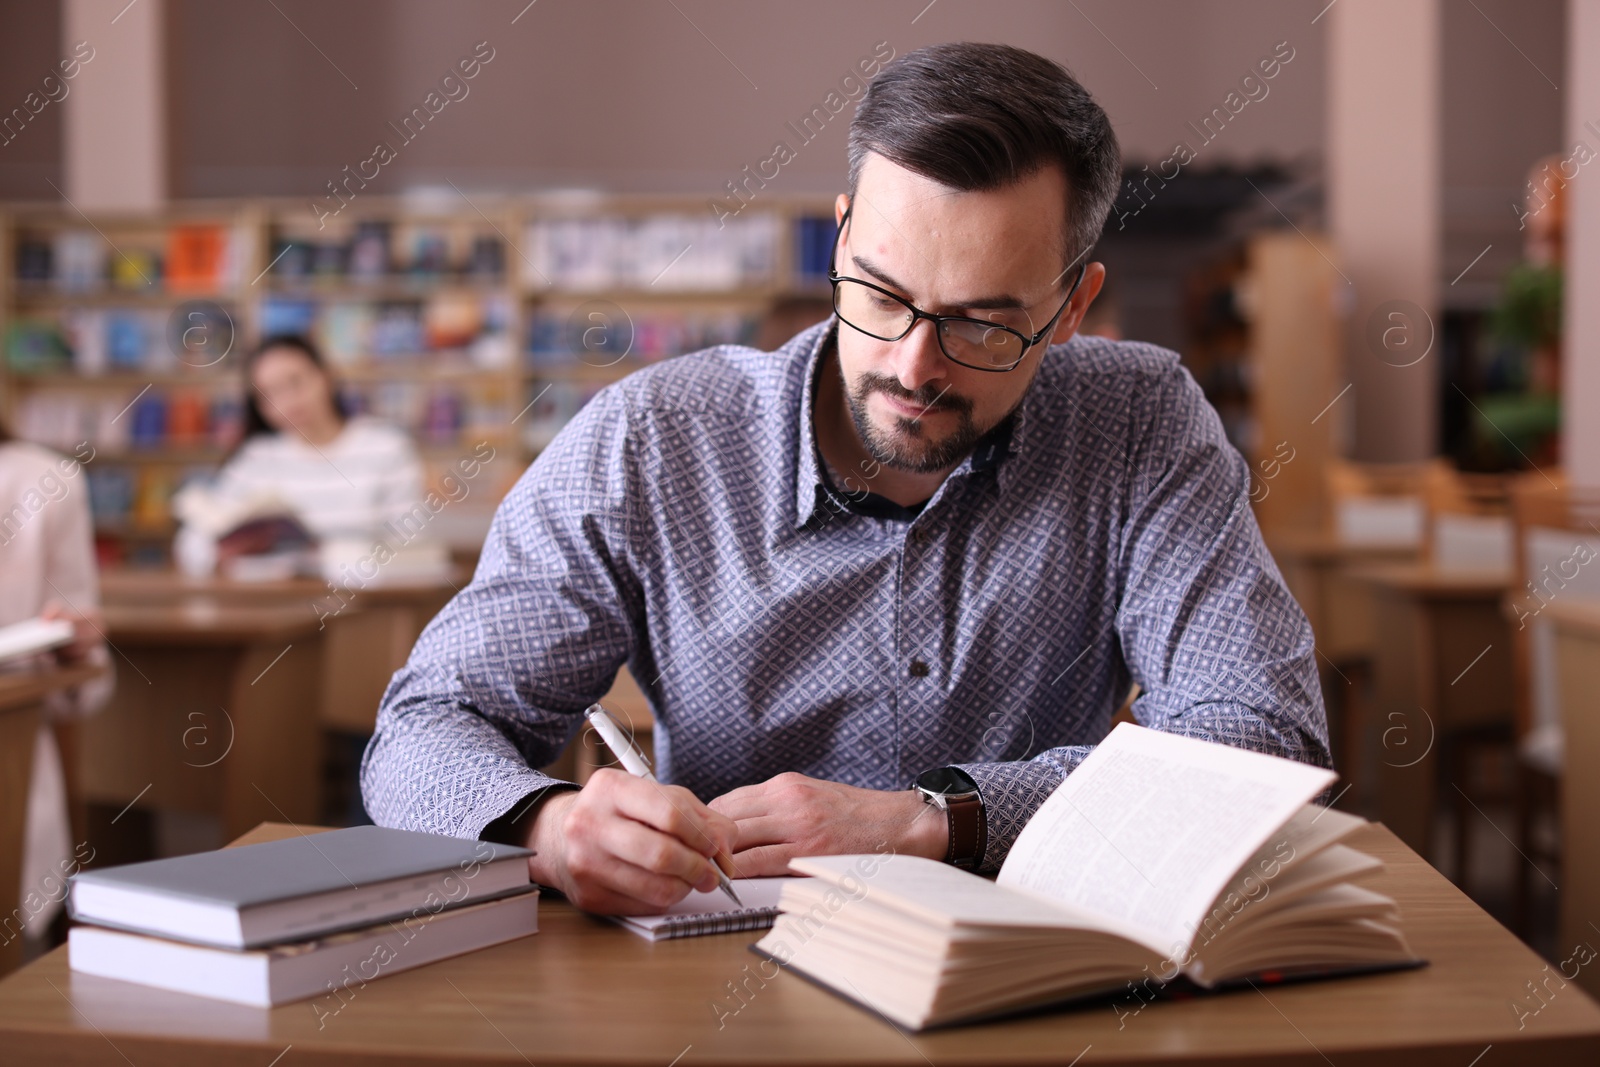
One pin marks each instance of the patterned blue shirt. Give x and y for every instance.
(681, 523)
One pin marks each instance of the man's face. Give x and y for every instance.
(996, 255)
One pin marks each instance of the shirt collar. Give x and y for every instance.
(811, 490)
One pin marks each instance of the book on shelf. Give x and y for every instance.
(79, 258)
(380, 251)
(35, 346)
(1160, 859)
(114, 423)
(299, 887)
(296, 970)
(814, 239)
(197, 258)
(668, 251)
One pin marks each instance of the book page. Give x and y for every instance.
(946, 897)
(1152, 826)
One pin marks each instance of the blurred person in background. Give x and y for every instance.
(47, 570)
(345, 478)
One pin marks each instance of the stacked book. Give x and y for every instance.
(306, 916)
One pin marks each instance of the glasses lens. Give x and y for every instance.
(870, 311)
(980, 345)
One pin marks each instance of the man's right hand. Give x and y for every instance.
(627, 846)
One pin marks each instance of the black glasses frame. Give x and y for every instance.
(834, 278)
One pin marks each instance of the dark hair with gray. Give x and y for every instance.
(984, 116)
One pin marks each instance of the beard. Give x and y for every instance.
(905, 445)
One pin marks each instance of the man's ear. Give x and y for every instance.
(1093, 278)
(841, 204)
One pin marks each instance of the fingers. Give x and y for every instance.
(776, 793)
(633, 846)
(762, 830)
(766, 861)
(653, 851)
(670, 809)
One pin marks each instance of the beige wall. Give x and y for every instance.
(1581, 343)
(1500, 113)
(629, 95)
(30, 47)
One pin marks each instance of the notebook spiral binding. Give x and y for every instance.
(728, 922)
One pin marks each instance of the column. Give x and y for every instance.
(114, 143)
(1383, 213)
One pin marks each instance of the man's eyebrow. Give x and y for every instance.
(987, 303)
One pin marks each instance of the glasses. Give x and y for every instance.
(982, 344)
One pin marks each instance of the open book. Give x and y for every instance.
(1159, 856)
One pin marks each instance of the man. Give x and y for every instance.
(918, 545)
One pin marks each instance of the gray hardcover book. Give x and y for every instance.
(302, 886)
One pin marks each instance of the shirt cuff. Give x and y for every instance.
(495, 819)
(1012, 792)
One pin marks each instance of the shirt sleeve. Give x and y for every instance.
(498, 681)
(1220, 649)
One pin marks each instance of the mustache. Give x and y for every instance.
(932, 399)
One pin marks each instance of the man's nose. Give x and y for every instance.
(918, 359)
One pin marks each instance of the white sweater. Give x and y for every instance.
(348, 488)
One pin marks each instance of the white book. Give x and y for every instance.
(299, 887)
(282, 973)
(32, 636)
(1160, 859)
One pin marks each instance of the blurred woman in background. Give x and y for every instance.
(344, 477)
(47, 570)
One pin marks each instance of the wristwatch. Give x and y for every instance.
(954, 791)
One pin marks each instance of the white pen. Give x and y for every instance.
(634, 763)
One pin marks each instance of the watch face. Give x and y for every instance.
(947, 781)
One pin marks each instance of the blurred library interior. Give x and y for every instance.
(1364, 226)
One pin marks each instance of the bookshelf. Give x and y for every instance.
(489, 320)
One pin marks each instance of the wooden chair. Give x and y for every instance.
(1382, 503)
(1467, 523)
(1468, 527)
(1557, 555)
(1377, 514)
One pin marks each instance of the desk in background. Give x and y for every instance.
(22, 697)
(583, 991)
(1441, 665)
(1577, 627)
(368, 633)
(215, 712)
(1316, 567)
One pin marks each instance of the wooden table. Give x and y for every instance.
(364, 642)
(1316, 567)
(368, 633)
(22, 697)
(1441, 665)
(215, 711)
(1577, 627)
(582, 991)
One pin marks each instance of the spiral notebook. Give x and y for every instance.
(713, 913)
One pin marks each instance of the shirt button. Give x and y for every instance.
(918, 535)
(919, 669)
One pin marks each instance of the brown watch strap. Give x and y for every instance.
(969, 835)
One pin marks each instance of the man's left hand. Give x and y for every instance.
(791, 815)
